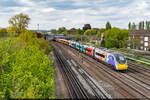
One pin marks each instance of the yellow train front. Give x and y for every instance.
(121, 61)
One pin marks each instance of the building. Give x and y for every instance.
(141, 39)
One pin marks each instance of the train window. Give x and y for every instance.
(120, 58)
(100, 55)
(80, 46)
(88, 50)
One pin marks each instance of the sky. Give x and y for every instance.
(52, 14)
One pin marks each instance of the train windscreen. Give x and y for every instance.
(120, 58)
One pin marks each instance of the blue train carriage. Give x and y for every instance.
(81, 47)
(84, 47)
(117, 60)
(76, 45)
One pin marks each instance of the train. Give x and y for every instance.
(115, 59)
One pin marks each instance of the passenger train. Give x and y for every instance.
(115, 59)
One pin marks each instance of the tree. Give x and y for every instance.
(108, 26)
(141, 25)
(100, 31)
(86, 27)
(116, 37)
(53, 31)
(61, 30)
(147, 25)
(133, 26)
(64, 32)
(3, 32)
(80, 31)
(90, 32)
(129, 26)
(20, 22)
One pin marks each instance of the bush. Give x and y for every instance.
(25, 72)
(45, 46)
(3, 32)
(28, 38)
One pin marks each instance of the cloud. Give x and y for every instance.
(75, 13)
(46, 10)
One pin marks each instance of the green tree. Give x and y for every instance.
(133, 26)
(20, 22)
(129, 26)
(86, 27)
(61, 30)
(64, 32)
(3, 32)
(80, 31)
(90, 32)
(108, 26)
(100, 31)
(53, 31)
(116, 37)
(147, 25)
(141, 25)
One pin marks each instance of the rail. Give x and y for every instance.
(137, 60)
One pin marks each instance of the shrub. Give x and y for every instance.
(45, 46)
(28, 38)
(25, 72)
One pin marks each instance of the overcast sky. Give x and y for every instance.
(75, 13)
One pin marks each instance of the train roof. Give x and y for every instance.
(105, 50)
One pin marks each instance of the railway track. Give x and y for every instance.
(76, 90)
(95, 90)
(131, 83)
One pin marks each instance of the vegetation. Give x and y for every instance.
(147, 25)
(86, 27)
(80, 31)
(19, 22)
(25, 67)
(3, 32)
(108, 26)
(12, 31)
(100, 31)
(141, 26)
(116, 37)
(53, 31)
(62, 30)
(131, 26)
(90, 32)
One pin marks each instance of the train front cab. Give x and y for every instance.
(121, 62)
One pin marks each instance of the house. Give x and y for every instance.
(142, 38)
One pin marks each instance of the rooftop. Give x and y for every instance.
(140, 32)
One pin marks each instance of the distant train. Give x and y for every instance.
(117, 60)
